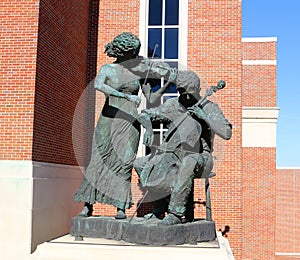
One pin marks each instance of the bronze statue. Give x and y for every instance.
(185, 152)
(116, 137)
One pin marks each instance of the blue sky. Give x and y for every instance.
(269, 18)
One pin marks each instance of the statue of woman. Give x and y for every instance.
(116, 137)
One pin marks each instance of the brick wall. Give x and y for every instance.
(18, 42)
(259, 50)
(287, 213)
(259, 163)
(259, 91)
(259, 80)
(61, 77)
(214, 52)
(44, 70)
(259, 203)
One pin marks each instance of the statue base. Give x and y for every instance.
(143, 231)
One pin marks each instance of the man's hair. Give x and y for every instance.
(188, 80)
(124, 42)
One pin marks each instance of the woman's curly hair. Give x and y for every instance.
(188, 80)
(123, 43)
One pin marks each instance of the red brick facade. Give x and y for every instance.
(44, 70)
(259, 203)
(214, 52)
(259, 81)
(61, 77)
(18, 44)
(287, 213)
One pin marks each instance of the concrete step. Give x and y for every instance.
(67, 248)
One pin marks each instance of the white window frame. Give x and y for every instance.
(182, 47)
(182, 34)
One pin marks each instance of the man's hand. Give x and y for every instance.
(148, 138)
(133, 98)
(198, 111)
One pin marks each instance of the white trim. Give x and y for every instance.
(259, 62)
(142, 28)
(25, 169)
(287, 254)
(183, 34)
(260, 113)
(56, 171)
(287, 168)
(259, 126)
(15, 169)
(260, 108)
(163, 27)
(15, 163)
(143, 35)
(259, 39)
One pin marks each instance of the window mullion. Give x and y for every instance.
(163, 30)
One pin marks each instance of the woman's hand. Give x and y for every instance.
(133, 98)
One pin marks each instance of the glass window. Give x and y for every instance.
(154, 37)
(172, 89)
(171, 12)
(171, 43)
(163, 30)
(173, 64)
(155, 12)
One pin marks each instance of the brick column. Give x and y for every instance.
(45, 67)
(259, 147)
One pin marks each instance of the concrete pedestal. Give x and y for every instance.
(143, 231)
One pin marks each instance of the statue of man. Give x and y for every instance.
(186, 151)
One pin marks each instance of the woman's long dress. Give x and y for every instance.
(115, 143)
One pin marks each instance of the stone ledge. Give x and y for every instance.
(142, 231)
(65, 247)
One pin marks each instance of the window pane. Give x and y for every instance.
(171, 43)
(172, 11)
(172, 89)
(155, 12)
(173, 64)
(154, 37)
(155, 125)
